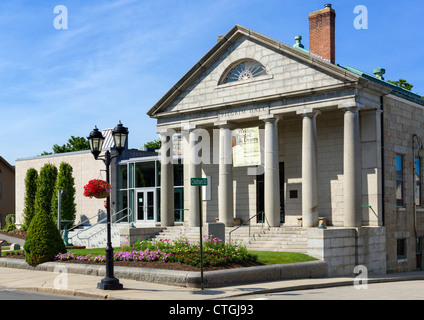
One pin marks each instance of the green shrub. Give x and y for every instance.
(64, 181)
(43, 240)
(10, 223)
(31, 179)
(45, 187)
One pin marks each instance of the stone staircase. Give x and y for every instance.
(283, 239)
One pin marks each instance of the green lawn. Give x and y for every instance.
(273, 257)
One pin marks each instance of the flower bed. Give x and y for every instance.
(181, 251)
(145, 256)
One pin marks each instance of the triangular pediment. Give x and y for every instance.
(288, 71)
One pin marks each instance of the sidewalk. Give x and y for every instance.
(86, 286)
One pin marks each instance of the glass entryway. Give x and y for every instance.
(139, 190)
(145, 205)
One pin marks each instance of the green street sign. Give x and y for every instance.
(199, 181)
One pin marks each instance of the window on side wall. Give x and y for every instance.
(401, 249)
(399, 181)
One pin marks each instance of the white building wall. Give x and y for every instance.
(84, 168)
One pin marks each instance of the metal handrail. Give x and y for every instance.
(82, 223)
(123, 217)
(248, 222)
(100, 221)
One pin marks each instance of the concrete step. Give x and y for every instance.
(288, 239)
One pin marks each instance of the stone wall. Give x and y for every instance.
(345, 248)
(402, 119)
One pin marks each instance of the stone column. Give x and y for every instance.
(194, 172)
(272, 172)
(310, 212)
(225, 187)
(167, 179)
(352, 166)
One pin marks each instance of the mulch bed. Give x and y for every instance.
(170, 265)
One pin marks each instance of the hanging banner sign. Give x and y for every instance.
(246, 147)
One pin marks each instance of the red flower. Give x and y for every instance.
(97, 188)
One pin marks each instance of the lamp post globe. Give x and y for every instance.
(95, 140)
(120, 134)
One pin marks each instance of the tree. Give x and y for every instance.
(154, 144)
(74, 144)
(65, 181)
(31, 180)
(402, 83)
(42, 241)
(45, 187)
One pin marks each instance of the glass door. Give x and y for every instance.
(145, 206)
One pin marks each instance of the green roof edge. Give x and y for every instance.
(396, 90)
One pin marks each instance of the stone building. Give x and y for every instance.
(335, 145)
(7, 190)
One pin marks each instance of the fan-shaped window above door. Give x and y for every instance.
(243, 71)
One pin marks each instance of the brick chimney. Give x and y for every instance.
(322, 28)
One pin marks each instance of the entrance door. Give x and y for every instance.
(145, 206)
(260, 195)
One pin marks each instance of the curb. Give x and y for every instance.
(189, 279)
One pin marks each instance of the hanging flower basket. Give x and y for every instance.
(97, 188)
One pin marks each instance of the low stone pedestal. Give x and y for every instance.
(217, 229)
(345, 248)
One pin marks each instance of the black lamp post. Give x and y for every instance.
(96, 140)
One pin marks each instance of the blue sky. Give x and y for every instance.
(119, 57)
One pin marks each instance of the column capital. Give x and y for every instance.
(186, 126)
(351, 106)
(271, 117)
(165, 131)
(224, 124)
(308, 112)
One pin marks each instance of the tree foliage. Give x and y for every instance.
(402, 83)
(74, 144)
(64, 181)
(43, 240)
(45, 187)
(154, 144)
(31, 179)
